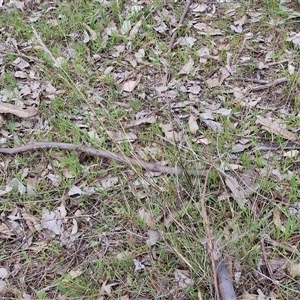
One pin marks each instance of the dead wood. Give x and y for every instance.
(133, 162)
(269, 85)
(174, 35)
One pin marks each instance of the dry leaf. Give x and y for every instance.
(207, 115)
(291, 153)
(21, 63)
(93, 34)
(277, 220)
(169, 132)
(240, 147)
(186, 69)
(52, 221)
(275, 127)
(294, 270)
(126, 27)
(31, 184)
(182, 278)
(204, 55)
(72, 274)
(58, 62)
(17, 184)
(294, 37)
(204, 29)
(153, 237)
(213, 82)
(118, 136)
(109, 182)
(3, 273)
(147, 218)
(86, 37)
(238, 25)
(74, 190)
(238, 192)
(3, 287)
(215, 126)
(130, 85)
(134, 30)
(223, 111)
(224, 281)
(247, 296)
(193, 124)
(144, 120)
(20, 74)
(186, 41)
(138, 266)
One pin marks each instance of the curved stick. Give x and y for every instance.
(186, 8)
(149, 166)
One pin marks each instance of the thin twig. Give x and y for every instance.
(150, 166)
(269, 85)
(208, 234)
(186, 8)
(277, 146)
(280, 245)
(254, 80)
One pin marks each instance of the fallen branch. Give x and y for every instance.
(269, 85)
(174, 35)
(149, 166)
(288, 248)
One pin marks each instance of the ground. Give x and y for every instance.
(209, 99)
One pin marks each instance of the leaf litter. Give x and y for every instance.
(207, 94)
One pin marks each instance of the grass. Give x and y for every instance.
(108, 256)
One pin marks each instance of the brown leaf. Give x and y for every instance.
(134, 30)
(144, 120)
(277, 220)
(238, 192)
(146, 217)
(193, 124)
(205, 29)
(18, 111)
(276, 127)
(169, 132)
(186, 69)
(93, 34)
(294, 270)
(118, 136)
(20, 74)
(130, 85)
